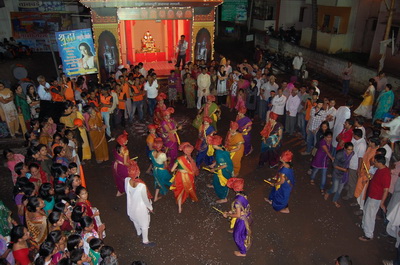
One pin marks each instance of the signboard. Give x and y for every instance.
(154, 13)
(36, 29)
(77, 52)
(234, 10)
(41, 6)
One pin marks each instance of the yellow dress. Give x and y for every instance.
(86, 152)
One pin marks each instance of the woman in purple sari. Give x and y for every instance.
(170, 136)
(245, 124)
(120, 170)
(241, 213)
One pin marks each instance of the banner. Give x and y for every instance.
(234, 10)
(77, 52)
(154, 14)
(36, 29)
(41, 6)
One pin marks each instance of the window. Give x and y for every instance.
(301, 15)
(325, 24)
(336, 25)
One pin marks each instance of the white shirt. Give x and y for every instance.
(364, 134)
(115, 102)
(151, 90)
(118, 74)
(278, 104)
(388, 155)
(360, 146)
(43, 94)
(143, 72)
(268, 88)
(182, 47)
(297, 62)
(138, 204)
(203, 81)
(342, 114)
(332, 111)
(292, 105)
(394, 126)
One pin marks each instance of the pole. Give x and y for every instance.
(54, 57)
(387, 31)
(250, 15)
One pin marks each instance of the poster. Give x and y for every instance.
(234, 10)
(36, 29)
(77, 52)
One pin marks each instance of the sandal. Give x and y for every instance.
(364, 238)
(322, 192)
(312, 182)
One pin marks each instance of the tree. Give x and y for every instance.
(314, 24)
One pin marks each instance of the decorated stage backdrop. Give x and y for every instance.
(77, 52)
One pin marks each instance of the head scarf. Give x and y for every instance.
(273, 116)
(78, 122)
(215, 140)
(161, 96)
(122, 138)
(168, 111)
(234, 125)
(158, 144)
(151, 127)
(186, 148)
(236, 184)
(211, 98)
(287, 156)
(242, 110)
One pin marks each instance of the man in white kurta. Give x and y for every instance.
(342, 114)
(203, 83)
(138, 208)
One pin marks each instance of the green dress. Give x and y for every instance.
(21, 103)
(222, 158)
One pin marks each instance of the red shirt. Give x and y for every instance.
(379, 182)
(345, 136)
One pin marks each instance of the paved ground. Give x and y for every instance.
(315, 232)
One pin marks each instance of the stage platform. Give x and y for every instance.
(161, 68)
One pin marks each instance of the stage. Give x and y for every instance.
(161, 68)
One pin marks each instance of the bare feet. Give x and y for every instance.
(238, 254)
(336, 204)
(230, 231)
(286, 210)
(180, 210)
(326, 196)
(120, 194)
(270, 202)
(210, 186)
(157, 198)
(222, 201)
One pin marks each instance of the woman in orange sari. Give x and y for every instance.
(234, 143)
(97, 136)
(183, 180)
(364, 174)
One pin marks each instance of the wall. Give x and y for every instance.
(327, 65)
(326, 42)
(333, 3)
(289, 13)
(342, 12)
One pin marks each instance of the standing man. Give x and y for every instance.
(181, 50)
(377, 193)
(106, 102)
(292, 105)
(265, 93)
(347, 74)
(278, 105)
(203, 83)
(151, 88)
(343, 113)
(297, 63)
(360, 146)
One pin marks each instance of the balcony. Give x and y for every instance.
(327, 42)
(338, 3)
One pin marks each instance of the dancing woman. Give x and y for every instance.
(183, 181)
(169, 135)
(245, 124)
(209, 109)
(222, 170)
(271, 141)
(202, 145)
(234, 144)
(161, 174)
(280, 192)
(160, 107)
(241, 214)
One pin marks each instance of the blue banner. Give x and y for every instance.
(77, 52)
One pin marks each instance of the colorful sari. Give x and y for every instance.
(232, 142)
(203, 148)
(190, 92)
(242, 229)
(221, 177)
(161, 174)
(86, 153)
(184, 180)
(209, 110)
(37, 227)
(245, 129)
(98, 137)
(269, 153)
(280, 194)
(384, 103)
(120, 172)
(170, 140)
(365, 108)
(157, 117)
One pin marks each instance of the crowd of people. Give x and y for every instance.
(10, 48)
(67, 121)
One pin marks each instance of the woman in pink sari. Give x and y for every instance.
(170, 136)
